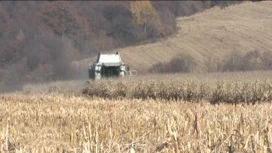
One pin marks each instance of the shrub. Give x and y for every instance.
(183, 63)
(266, 58)
(252, 60)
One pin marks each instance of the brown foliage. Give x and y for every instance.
(4, 20)
(63, 18)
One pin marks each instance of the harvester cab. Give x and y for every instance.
(109, 65)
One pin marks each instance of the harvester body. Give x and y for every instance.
(108, 65)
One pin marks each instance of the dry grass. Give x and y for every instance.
(66, 121)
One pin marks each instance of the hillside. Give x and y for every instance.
(209, 36)
(40, 39)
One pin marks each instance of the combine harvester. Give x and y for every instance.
(109, 65)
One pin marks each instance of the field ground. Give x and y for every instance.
(56, 117)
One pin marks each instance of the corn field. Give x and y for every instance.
(139, 114)
(185, 89)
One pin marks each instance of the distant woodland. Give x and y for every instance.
(39, 39)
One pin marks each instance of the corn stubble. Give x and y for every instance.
(120, 119)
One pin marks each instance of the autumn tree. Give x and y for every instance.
(145, 15)
(64, 20)
(122, 26)
(3, 20)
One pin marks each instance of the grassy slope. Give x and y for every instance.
(213, 33)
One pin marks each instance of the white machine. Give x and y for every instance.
(109, 65)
